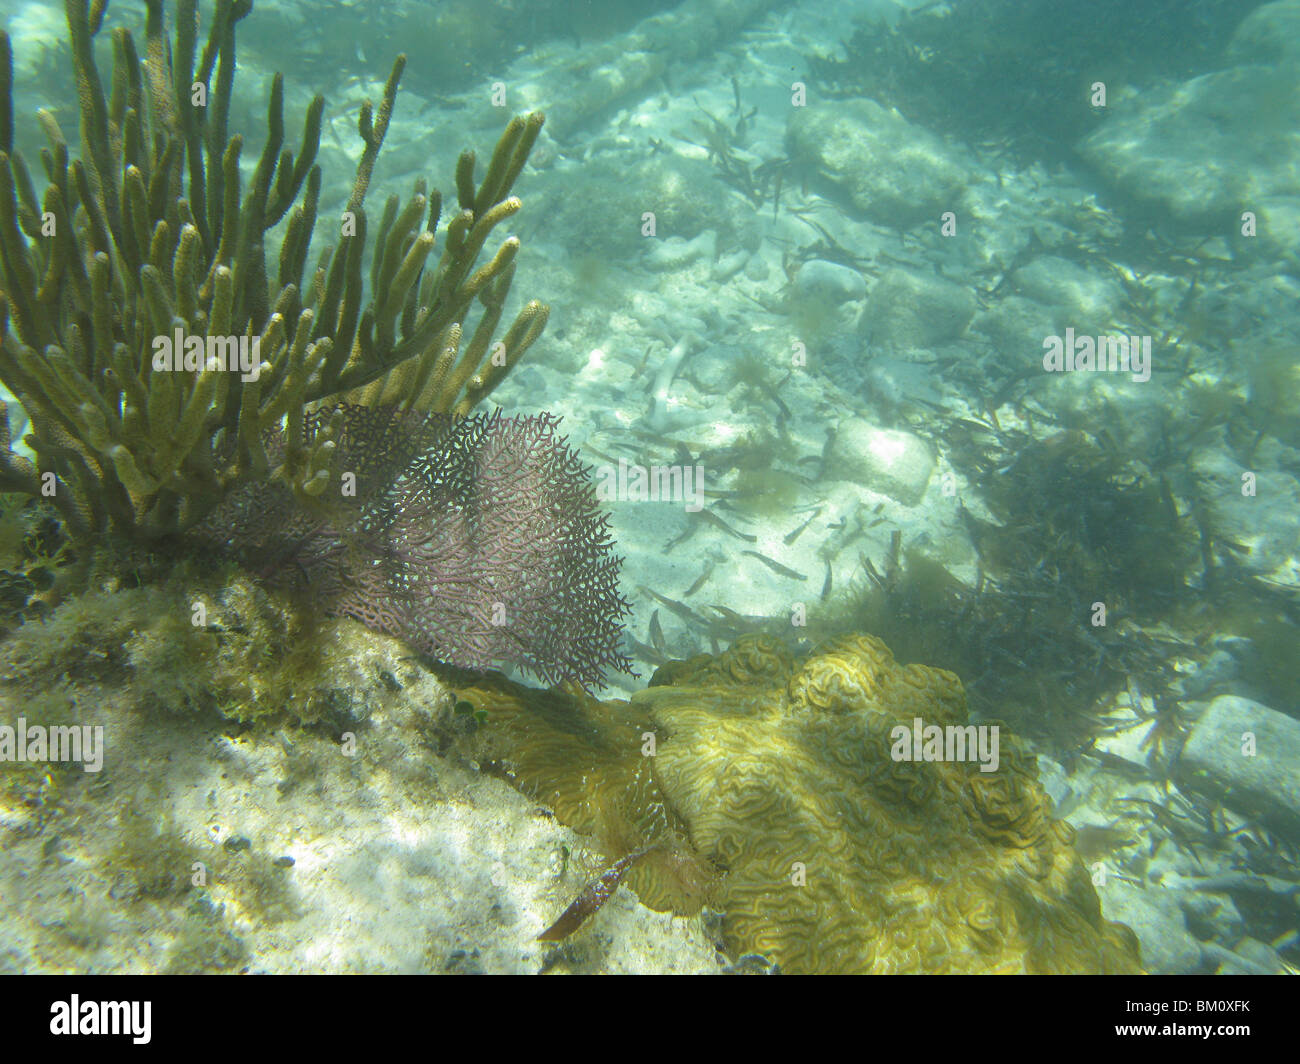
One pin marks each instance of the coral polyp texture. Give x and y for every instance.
(831, 856)
(476, 539)
(152, 238)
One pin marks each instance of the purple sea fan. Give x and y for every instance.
(496, 552)
(483, 546)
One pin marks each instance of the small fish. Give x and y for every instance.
(686, 533)
(775, 396)
(593, 896)
(587, 448)
(657, 633)
(714, 519)
(738, 622)
(731, 624)
(775, 566)
(826, 587)
(791, 537)
(700, 580)
(680, 608)
(1094, 841)
(645, 652)
(974, 426)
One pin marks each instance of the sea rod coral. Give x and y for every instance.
(150, 233)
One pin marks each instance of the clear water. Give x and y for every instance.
(969, 327)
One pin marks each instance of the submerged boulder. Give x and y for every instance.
(1207, 149)
(889, 461)
(892, 171)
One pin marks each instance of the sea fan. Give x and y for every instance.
(476, 539)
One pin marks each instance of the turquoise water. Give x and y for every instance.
(969, 327)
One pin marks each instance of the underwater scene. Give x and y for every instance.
(720, 486)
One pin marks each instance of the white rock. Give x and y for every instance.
(1156, 918)
(892, 462)
(829, 280)
(1246, 754)
(676, 252)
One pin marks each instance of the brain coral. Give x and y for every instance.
(766, 767)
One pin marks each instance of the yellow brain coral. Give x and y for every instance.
(832, 855)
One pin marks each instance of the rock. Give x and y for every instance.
(1082, 299)
(1052, 775)
(725, 267)
(1157, 920)
(895, 173)
(1261, 784)
(599, 206)
(1269, 34)
(894, 463)
(675, 252)
(1264, 523)
(1211, 915)
(1277, 230)
(1015, 328)
(1207, 149)
(908, 309)
(1249, 958)
(1206, 678)
(1259, 954)
(391, 858)
(888, 382)
(829, 280)
(716, 369)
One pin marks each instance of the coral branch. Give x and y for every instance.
(144, 334)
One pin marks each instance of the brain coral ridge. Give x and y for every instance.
(774, 777)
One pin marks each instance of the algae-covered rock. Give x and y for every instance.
(1084, 299)
(829, 855)
(1207, 149)
(908, 309)
(895, 173)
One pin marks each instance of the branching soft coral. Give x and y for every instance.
(152, 236)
